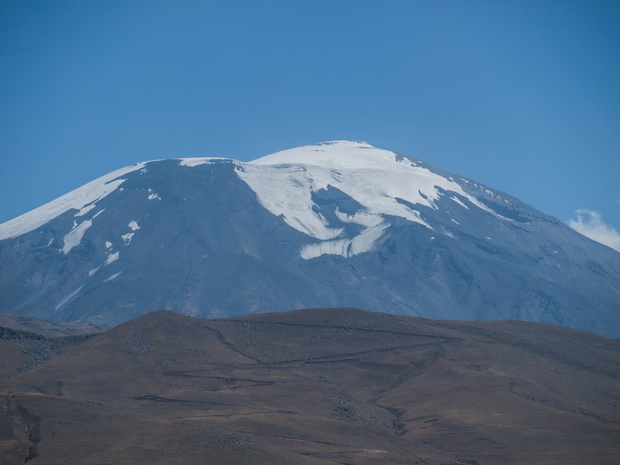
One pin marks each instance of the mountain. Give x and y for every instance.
(327, 225)
(321, 386)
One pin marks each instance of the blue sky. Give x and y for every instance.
(523, 96)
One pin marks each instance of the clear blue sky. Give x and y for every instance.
(521, 95)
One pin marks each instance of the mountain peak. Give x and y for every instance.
(381, 183)
(332, 154)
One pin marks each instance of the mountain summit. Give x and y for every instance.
(333, 224)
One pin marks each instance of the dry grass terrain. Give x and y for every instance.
(322, 386)
(48, 328)
(23, 350)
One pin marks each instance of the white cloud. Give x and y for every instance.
(591, 224)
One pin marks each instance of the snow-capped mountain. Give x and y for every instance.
(334, 224)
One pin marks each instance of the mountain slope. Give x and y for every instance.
(334, 224)
(321, 386)
(47, 328)
(22, 350)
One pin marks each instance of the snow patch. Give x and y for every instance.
(134, 226)
(74, 237)
(361, 217)
(114, 276)
(457, 200)
(127, 238)
(364, 242)
(108, 244)
(382, 182)
(154, 196)
(77, 199)
(200, 161)
(112, 257)
(286, 190)
(84, 210)
(68, 298)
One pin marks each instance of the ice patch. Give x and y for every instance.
(200, 161)
(112, 257)
(361, 217)
(74, 237)
(127, 238)
(364, 242)
(457, 200)
(153, 196)
(108, 244)
(114, 276)
(86, 209)
(93, 271)
(68, 298)
(134, 226)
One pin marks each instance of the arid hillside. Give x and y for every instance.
(321, 386)
(47, 328)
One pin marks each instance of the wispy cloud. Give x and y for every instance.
(590, 223)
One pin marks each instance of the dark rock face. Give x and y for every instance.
(205, 241)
